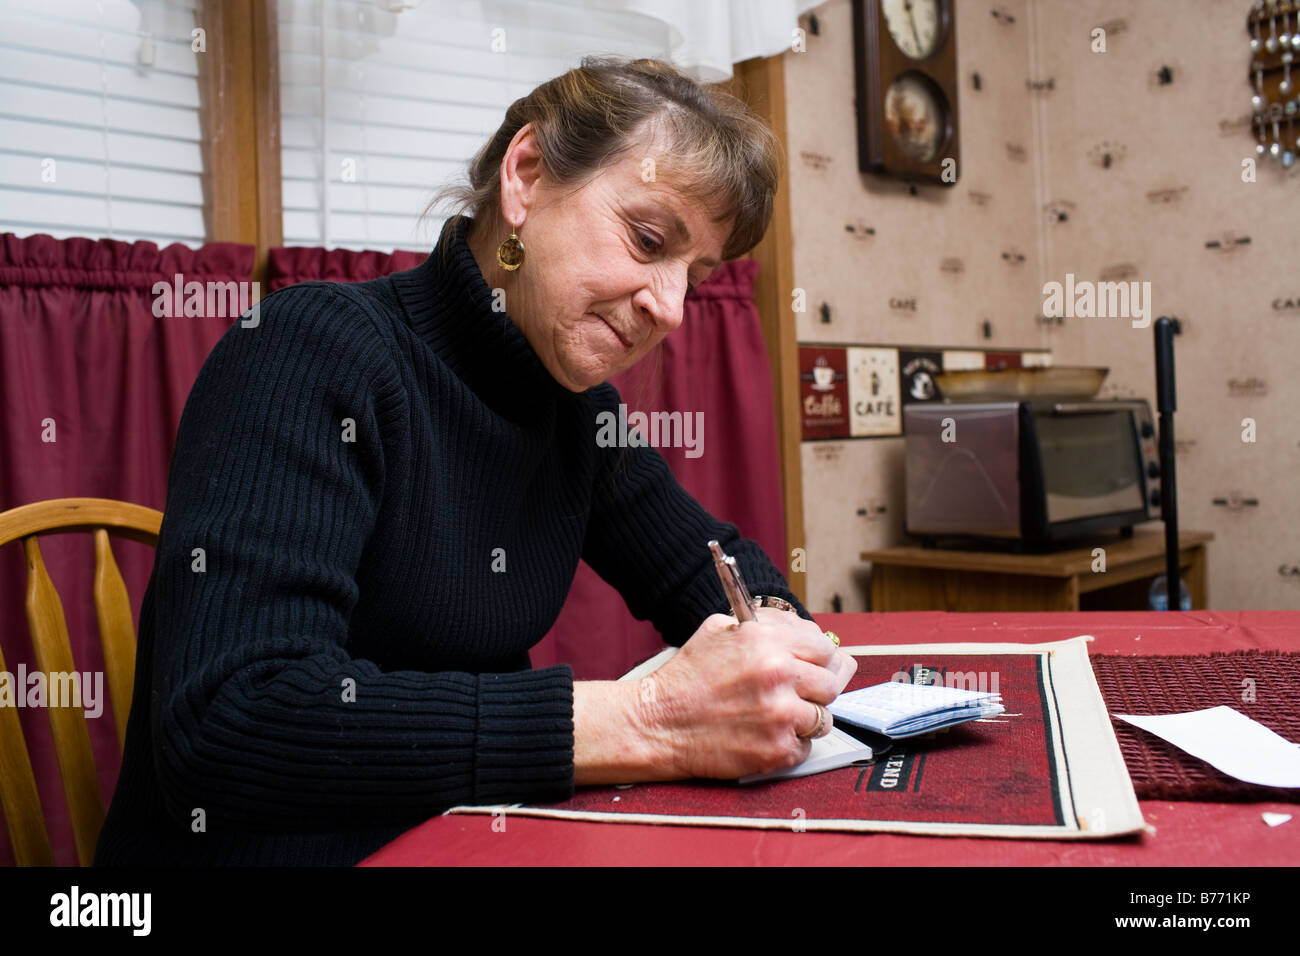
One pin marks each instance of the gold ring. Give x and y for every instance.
(835, 638)
(823, 725)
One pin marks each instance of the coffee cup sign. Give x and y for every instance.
(824, 393)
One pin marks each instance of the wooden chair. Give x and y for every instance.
(49, 630)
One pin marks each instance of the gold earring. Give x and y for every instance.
(510, 254)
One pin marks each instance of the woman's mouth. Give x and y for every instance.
(623, 340)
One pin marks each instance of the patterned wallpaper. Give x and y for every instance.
(1125, 165)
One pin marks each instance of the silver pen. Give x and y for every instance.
(733, 585)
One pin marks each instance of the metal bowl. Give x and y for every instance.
(1004, 384)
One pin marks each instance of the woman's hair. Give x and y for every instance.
(721, 154)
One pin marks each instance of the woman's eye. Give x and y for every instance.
(647, 243)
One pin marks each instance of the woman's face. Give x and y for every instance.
(607, 264)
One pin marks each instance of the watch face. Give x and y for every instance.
(914, 113)
(914, 25)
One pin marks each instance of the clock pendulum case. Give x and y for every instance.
(905, 58)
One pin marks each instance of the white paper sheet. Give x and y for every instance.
(837, 749)
(1229, 741)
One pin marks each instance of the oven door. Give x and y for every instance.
(1089, 465)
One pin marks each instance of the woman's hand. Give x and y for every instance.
(736, 698)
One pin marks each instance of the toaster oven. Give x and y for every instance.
(1035, 472)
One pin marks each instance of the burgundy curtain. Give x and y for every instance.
(80, 344)
(287, 265)
(85, 362)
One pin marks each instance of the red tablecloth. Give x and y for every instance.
(1187, 834)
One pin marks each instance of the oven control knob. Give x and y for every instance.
(1146, 430)
(1155, 498)
(1153, 470)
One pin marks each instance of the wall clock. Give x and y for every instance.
(905, 59)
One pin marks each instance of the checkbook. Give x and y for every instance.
(898, 710)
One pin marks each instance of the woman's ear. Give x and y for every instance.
(521, 175)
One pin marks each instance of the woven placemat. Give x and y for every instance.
(1263, 685)
(1050, 772)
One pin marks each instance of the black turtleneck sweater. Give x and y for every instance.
(376, 505)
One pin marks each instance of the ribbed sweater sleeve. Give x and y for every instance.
(262, 717)
(648, 538)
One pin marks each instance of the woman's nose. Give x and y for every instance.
(664, 300)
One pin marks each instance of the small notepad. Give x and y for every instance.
(899, 710)
(837, 749)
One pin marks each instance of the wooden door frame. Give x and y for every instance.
(760, 83)
(239, 82)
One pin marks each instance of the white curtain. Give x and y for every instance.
(706, 37)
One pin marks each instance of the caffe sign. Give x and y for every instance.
(823, 392)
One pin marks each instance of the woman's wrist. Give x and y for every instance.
(613, 736)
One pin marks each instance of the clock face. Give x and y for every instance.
(914, 25)
(915, 116)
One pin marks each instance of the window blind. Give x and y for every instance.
(99, 120)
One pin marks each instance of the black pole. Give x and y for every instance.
(1166, 403)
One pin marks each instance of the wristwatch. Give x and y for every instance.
(765, 600)
(781, 604)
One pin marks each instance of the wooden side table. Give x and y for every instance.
(926, 579)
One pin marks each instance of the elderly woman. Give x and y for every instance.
(380, 494)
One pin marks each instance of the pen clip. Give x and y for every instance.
(733, 585)
(746, 598)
